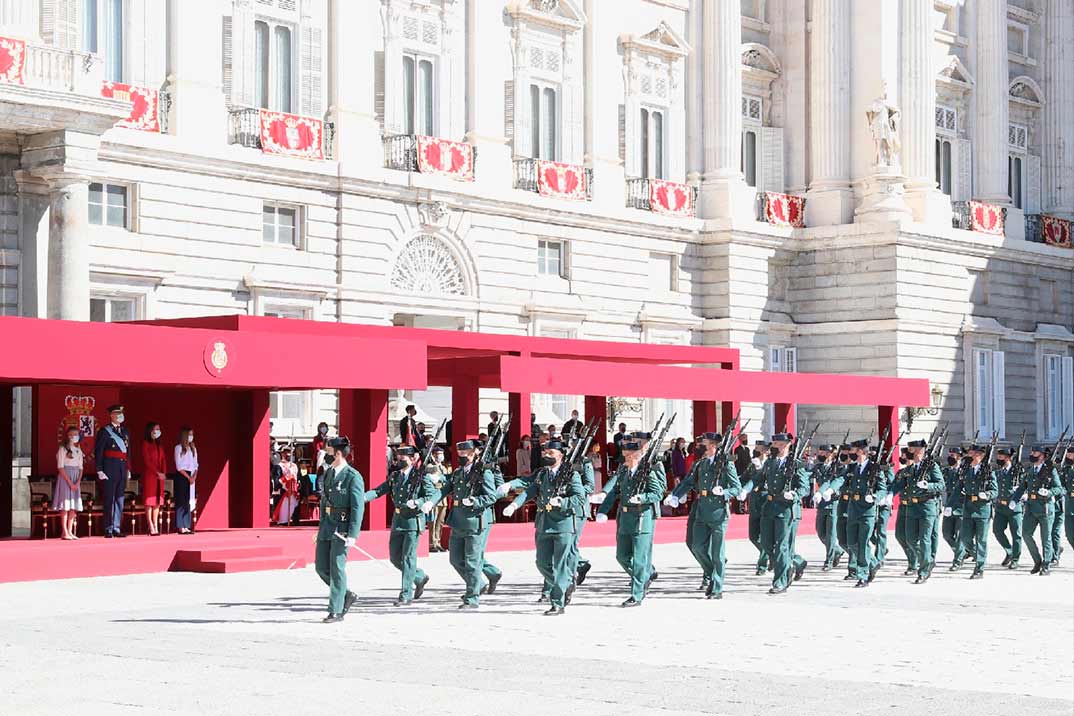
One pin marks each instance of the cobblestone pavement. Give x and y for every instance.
(252, 644)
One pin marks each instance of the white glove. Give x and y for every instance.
(757, 462)
(947, 511)
(503, 489)
(922, 484)
(411, 504)
(870, 499)
(600, 496)
(635, 500)
(717, 490)
(601, 517)
(671, 501)
(509, 510)
(1011, 504)
(1025, 497)
(556, 501)
(349, 542)
(1043, 491)
(101, 475)
(982, 495)
(788, 495)
(889, 500)
(828, 494)
(468, 501)
(815, 498)
(427, 506)
(743, 495)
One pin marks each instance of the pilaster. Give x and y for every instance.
(1058, 154)
(993, 114)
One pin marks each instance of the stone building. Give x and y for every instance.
(348, 214)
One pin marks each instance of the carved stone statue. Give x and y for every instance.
(884, 117)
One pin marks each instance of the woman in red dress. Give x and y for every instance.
(154, 467)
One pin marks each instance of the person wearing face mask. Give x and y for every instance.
(829, 478)
(186, 465)
(560, 510)
(841, 512)
(879, 538)
(473, 489)
(862, 497)
(319, 441)
(979, 489)
(289, 489)
(1068, 494)
(523, 466)
(753, 494)
(921, 487)
(439, 513)
(342, 508)
(1008, 515)
(572, 427)
(952, 510)
(111, 455)
(67, 491)
(154, 470)
(1039, 483)
(786, 485)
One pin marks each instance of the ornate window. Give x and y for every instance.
(427, 266)
(954, 151)
(1023, 139)
(762, 144)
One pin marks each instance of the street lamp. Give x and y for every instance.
(909, 414)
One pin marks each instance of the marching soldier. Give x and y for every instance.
(640, 495)
(1063, 463)
(978, 490)
(829, 478)
(470, 519)
(753, 494)
(841, 512)
(921, 491)
(709, 510)
(897, 488)
(412, 494)
(111, 454)
(559, 513)
(879, 538)
(1036, 491)
(343, 505)
(862, 496)
(952, 509)
(1068, 494)
(691, 517)
(589, 486)
(785, 485)
(1008, 511)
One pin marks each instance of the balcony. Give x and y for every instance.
(281, 133)
(1034, 229)
(430, 155)
(960, 215)
(554, 179)
(661, 197)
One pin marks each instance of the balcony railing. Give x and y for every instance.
(526, 178)
(63, 70)
(1034, 229)
(244, 127)
(639, 195)
(960, 215)
(401, 152)
(758, 207)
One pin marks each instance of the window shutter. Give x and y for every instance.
(963, 182)
(771, 159)
(378, 86)
(238, 55)
(1032, 193)
(791, 362)
(226, 79)
(565, 259)
(312, 70)
(622, 134)
(509, 112)
(60, 20)
(775, 360)
(1068, 391)
(999, 410)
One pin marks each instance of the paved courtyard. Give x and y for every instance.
(253, 644)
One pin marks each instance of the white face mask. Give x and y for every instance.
(120, 418)
(75, 439)
(155, 434)
(191, 437)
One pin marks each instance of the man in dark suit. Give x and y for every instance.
(572, 426)
(408, 427)
(742, 454)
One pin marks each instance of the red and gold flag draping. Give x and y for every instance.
(145, 104)
(1056, 231)
(986, 218)
(668, 197)
(447, 158)
(12, 60)
(561, 181)
(784, 209)
(291, 135)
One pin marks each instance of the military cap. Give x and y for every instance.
(1006, 452)
(826, 448)
(845, 446)
(340, 443)
(1070, 448)
(555, 445)
(641, 435)
(862, 444)
(1039, 448)
(917, 443)
(782, 437)
(632, 445)
(955, 449)
(116, 408)
(467, 445)
(760, 443)
(406, 450)
(975, 448)
(438, 448)
(714, 437)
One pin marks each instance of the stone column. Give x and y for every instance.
(33, 203)
(21, 18)
(68, 248)
(1058, 153)
(723, 191)
(198, 115)
(830, 199)
(990, 139)
(917, 97)
(353, 31)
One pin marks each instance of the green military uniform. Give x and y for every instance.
(921, 492)
(1068, 494)
(408, 522)
(470, 525)
(862, 497)
(754, 487)
(1037, 489)
(559, 515)
(589, 486)
(1058, 513)
(342, 508)
(900, 525)
(1008, 517)
(841, 522)
(979, 486)
(829, 479)
(635, 521)
(710, 513)
(952, 514)
(778, 518)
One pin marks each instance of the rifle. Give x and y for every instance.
(798, 448)
(415, 479)
(873, 474)
(489, 453)
(573, 455)
(586, 439)
(937, 440)
(986, 461)
(645, 466)
(1049, 459)
(1018, 470)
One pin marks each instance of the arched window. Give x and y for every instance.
(427, 266)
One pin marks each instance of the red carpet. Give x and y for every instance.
(276, 548)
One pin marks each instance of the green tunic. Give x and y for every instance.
(342, 508)
(407, 523)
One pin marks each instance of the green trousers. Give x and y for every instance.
(1057, 527)
(776, 533)
(859, 532)
(693, 544)
(555, 561)
(1031, 521)
(879, 538)
(974, 538)
(797, 560)
(756, 508)
(826, 531)
(1006, 519)
(952, 528)
(921, 539)
(634, 553)
(403, 553)
(900, 537)
(488, 569)
(841, 537)
(1069, 519)
(331, 564)
(467, 555)
(935, 538)
(707, 546)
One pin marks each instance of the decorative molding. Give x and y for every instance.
(427, 265)
(1025, 90)
(1053, 332)
(564, 15)
(668, 317)
(983, 326)
(662, 41)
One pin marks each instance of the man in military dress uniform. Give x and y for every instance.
(713, 486)
(1063, 463)
(879, 539)
(785, 486)
(897, 488)
(412, 494)
(111, 454)
(828, 474)
(979, 489)
(560, 509)
(1008, 511)
(952, 509)
(862, 494)
(474, 491)
(921, 491)
(342, 508)
(589, 486)
(696, 549)
(1036, 491)
(1068, 494)
(841, 512)
(753, 494)
(638, 496)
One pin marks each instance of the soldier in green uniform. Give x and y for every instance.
(978, 489)
(1063, 463)
(862, 494)
(1036, 490)
(559, 515)
(691, 518)
(879, 538)
(589, 486)
(753, 494)
(470, 519)
(342, 507)
(1068, 494)
(828, 476)
(952, 508)
(1008, 511)
(785, 486)
(841, 512)
(412, 494)
(922, 489)
(901, 516)
(709, 510)
(638, 495)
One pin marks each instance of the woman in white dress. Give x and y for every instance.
(186, 465)
(67, 492)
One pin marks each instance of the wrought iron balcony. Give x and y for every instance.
(244, 129)
(527, 178)
(639, 195)
(401, 152)
(1034, 229)
(244, 126)
(960, 215)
